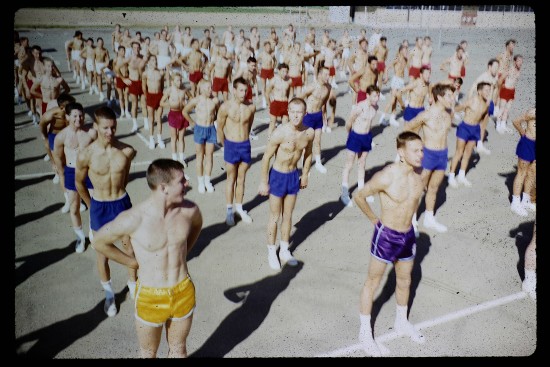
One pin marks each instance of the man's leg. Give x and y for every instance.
(239, 192)
(289, 201)
(149, 339)
(402, 325)
(468, 149)
(208, 163)
(177, 332)
(349, 158)
(199, 153)
(275, 207)
(459, 150)
(434, 183)
(231, 171)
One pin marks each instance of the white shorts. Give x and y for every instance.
(397, 82)
(162, 61)
(75, 56)
(345, 53)
(99, 66)
(90, 65)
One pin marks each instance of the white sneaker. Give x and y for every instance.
(529, 205)
(146, 124)
(517, 208)
(530, 289)
(201, 188)
(328, 129)
(464, 181)
(162, 146)
(244, 216)
(409, 330)
(272, 258)
(55, 179)
(47, 158)
(433, 224)
(319, 167)
(481, 149)
(134, 127)
(287, 258)
(346, 200)
(128, 114)
(151, 143)
(393, 122)
(230, 219)
(80, 245)
(209, 187)
(110, 307)
(452, 182)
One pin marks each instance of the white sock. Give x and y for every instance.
(131, 287)
(360, 184)
(146, 121)
(159, 138)
(451, 175)
(284, 245)
(462, 173)
(175, 156)
(182, 157)
(401, 313)
(515, 199)
(530, 276)
(207, 179)
(200, 179)
(345, 189)
(479, 144)
(526, 198)
(365, 328)
(239, 207)
(79, 233)
(318, 159)
(392, 116)
(229, 208)
(107, 286)
(429, 215)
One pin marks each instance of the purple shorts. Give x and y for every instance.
(526, 149)
(468, 132)
(390, 246)
(435, 159)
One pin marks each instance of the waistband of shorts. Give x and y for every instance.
(415, 108)
(121, 197)
(381, 227)
(469, 124)
(166, 291)
(237, 142)
(285, 173)
(314, 113)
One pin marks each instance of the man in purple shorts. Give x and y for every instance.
(400, 188)
(107, 161)
(289, 141)
(235, 118)
(436, 124)
(468, 132)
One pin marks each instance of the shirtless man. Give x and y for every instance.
(427, 51)
(418, 91)
(397, 83)
(32, 70)
(316, 96)
(162, 49)
(228, 40)
(48, 87)
(329, 56)
(295, 61)
(466, 57)
(152, 83)
(235, 119)
(309, 46)
(345, 42)
(116, 37)
(126, 41)
(507, 93)
(415, 59)
(106, 162)
(359, 140)
(51, 123)
(267, 63)
(525, 178)
(88, 54)
(400, 188)
(221, 73)
(366, 76)
(249, 75)
(73, 48)
(177, 39)
(239, 40)
(120, 68)
(381, 53)
(468, 132)
(67, 145)
(277, 94)
(435, 123)
(245, 52)
(488, 76)
(274, 40)
(358, 60)
(205, 44)
(174, 98)
(206, 109)
(102, 58)
(374, 40)
(505, 60)
(186, 40)
(136, 65)
(165, 292)
(455, 63)
(194, 63)
(283, 181)
(255, 41)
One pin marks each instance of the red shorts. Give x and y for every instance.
(453, 77)
(195, 77)
(120, 84)
(44, 106)
(427, 66)
(176, 120)
(331, 71)
(248, 96)
(297, 81)
(463, 71)
(507, 94)
(361, 96)
(267, 73)
(135, 88)
(414, 72)
(220, 85)
(381, 66)
(278, 108)
(153, 100)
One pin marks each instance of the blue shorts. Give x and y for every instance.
(389, 245)
(435, 159)
(102, 212)
(70, 184)
(359, 143)
(411, 112)
(202, 135)
(526, 149)
(51, 139)
(468, 132)
(282, 184)
(314, 120)
(235, 152)
(491, 108)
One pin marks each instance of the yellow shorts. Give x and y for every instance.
(154, 306)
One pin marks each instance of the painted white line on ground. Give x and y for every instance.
(429, 323)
